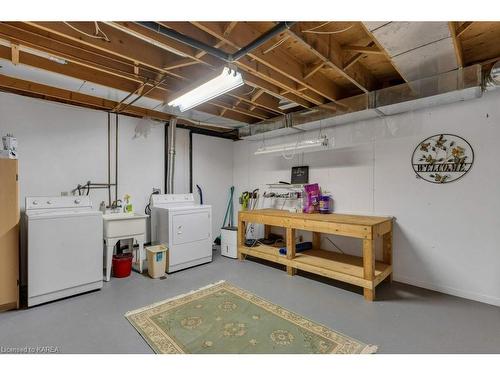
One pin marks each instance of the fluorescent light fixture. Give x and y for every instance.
(308, 145)
(228, 80)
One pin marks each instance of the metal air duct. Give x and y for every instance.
(445, 88)
(172, 129)
(495, 74)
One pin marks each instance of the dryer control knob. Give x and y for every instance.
(49, 202)
(35, 203)
(77, 201)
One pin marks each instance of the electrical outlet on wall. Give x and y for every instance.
(156, 190)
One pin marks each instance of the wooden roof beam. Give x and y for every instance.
(95, 78)
(121, 44)
(60, 48)
(101, 78)
(266, 103)
(37, 90)
(181, 63)
(230, 26)
(460, 29)
(457, 46)
(354, 59)
(73, 70)
(366, 50)
(331, 55)
(252, 76)
(256, 95)
(14, 53)
(290, 70)
(313, 69)
(53, 93)
(234, 107)
(207, 61)
(88, 58)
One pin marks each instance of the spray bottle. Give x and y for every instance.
(127, 206)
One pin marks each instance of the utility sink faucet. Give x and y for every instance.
(116, 204)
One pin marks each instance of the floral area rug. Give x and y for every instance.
(221, 318)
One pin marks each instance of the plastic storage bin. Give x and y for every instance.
(157, 260)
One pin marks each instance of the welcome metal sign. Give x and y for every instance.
(442, 158)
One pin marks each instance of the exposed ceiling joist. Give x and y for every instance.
(460, 29)
(15, 34)
(14, 55)
(279, 63)
(11, 84)
(354, 59)
(60, 48)
(257, 95)
(305, 68)
(331, 56)
(456, 44)
(120, 44)
(230, 26)
(368, 50)
(254, 77)
(199, 57)
(310, 70)
(262, 102)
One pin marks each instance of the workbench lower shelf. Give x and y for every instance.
(364, 271)
(342, 267)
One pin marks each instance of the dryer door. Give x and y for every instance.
(190, 226)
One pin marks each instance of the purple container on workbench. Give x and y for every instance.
(325, 204)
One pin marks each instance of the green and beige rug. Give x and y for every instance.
(221, 318)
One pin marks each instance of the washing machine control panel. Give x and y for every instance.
(172, 199)
(57, 202)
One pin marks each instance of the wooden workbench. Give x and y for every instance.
(363, 271)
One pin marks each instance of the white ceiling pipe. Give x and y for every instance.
(35, 52)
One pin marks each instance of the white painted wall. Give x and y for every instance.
(140, 160)
(445, 235)
(213, 171)
(61, 146)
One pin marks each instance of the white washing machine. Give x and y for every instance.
(64, 247)
(185, 227)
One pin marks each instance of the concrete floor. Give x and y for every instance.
(404, 319)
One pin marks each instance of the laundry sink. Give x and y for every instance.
(124, 224)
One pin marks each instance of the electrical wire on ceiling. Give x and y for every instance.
(277, 44)
(249, 92)
(97, 31)
(314, 29)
